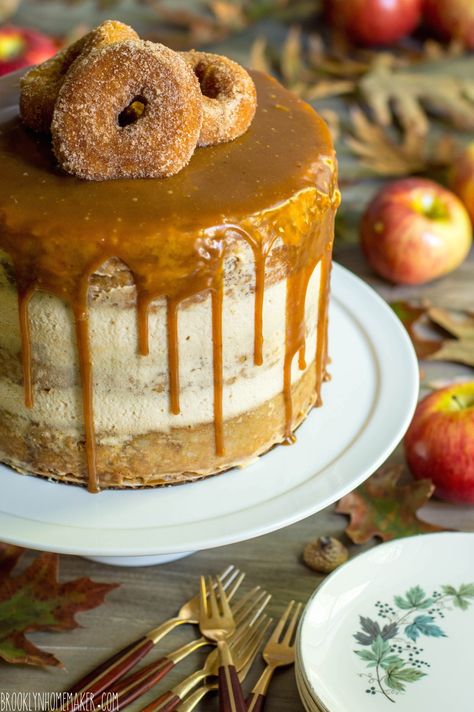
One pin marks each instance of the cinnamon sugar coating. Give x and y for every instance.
(89, 138)
(228, 95)
(40, 85)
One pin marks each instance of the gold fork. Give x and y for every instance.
(278, 652)
(103, 676)
(242, 646)
(246, 610)
(217, 623)
(195, 697)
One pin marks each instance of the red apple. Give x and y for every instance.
(451, 19)
(374, 22)
(439, 443)
(20, 47)
(414, 230)
(462, 178)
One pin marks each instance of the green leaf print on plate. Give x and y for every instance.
(389, 646)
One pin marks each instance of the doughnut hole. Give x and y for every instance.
(213, 81)
(132, 112)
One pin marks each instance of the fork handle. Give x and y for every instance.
(103, 676)
(107, 673)
(255, 702)
(136, 685)
(94, 674)
(166, 703)
(231, 698)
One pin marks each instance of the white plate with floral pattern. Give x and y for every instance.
(393, 628)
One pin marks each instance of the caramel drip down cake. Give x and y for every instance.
(155, 331)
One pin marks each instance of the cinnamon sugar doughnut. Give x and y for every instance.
(229, 96)
(40, 86)
(95, 134)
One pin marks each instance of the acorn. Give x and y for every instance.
(325, 554)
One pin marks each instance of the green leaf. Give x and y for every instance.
(397, 675)
(379, 651)
(423, 625)
(380, 647)
(417, 597)
(462, 603)
(392, 661)
(449, 590)
(414, 598)
(393, 682)
(402, 603)
(461, 597)
(409, 674)
(466, 589)
(368, 656)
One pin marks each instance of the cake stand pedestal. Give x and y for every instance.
(368, 405)
(139, 560)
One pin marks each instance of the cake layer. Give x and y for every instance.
(155, 458)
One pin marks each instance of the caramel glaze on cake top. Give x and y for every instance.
(172, 235)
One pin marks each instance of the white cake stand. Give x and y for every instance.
(367, 408)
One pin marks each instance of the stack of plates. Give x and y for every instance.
(392, 627)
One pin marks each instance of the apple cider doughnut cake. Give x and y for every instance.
(159, 330)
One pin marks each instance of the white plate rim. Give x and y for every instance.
(397, 399)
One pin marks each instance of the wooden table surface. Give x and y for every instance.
(149, 595)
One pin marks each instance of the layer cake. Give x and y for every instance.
(155, 331)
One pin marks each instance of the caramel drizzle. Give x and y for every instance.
(173, 355)
(217, 296)
(143, 310)
(81, 320)
(24, 299)
(258, 312)
(85, 368)
(323, 321)
(297, 285)
(296, 289)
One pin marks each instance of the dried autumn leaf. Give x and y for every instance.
(291, 62)
(409, 96)
(410, 316)
(382, 155)
(433, 51)
(461, 348)
(258, 57)
(228, 14)
(192, 28)
(298, 68)
(8, 8)
(384, 508)
(335, 63)
(35, 600)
